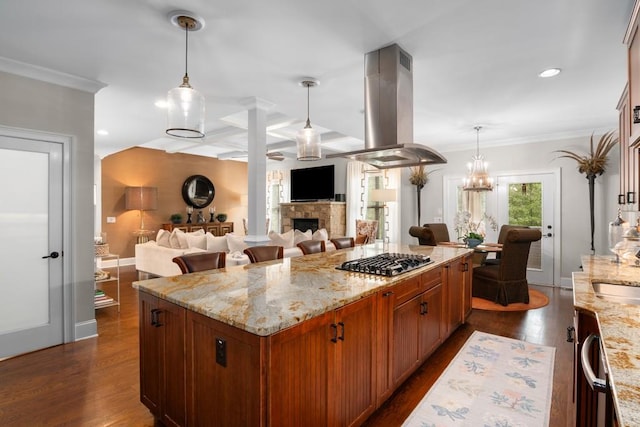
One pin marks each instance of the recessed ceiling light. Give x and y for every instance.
(102, 132)
(549, 72)
(162, 103)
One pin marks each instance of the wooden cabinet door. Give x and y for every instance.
(162, 361)
(299, 373)
(150, 349)
(352, 394)
(431, 322)
(405, 340)
(171, 321)
(453, 281)
(384, 327)
(224, 375)
(467, 286)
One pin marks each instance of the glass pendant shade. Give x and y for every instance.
(185, 105)
(478, 178)
(308, 143)
(308, 139)
(185, 112)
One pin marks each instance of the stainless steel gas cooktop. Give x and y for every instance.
(386, 264)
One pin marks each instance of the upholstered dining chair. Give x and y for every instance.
(311, 246)
(423, 234)
(506, 282)
(368, 227)
(264, 253)
(343, 242)
(191, 263)
(502, 235)
(440, 231)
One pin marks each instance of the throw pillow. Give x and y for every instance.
(216, 243)
(162, 238)
(285, 239)
(236, 243)
(320, 234)
(175, 238)
(301, 236)
(196, 240)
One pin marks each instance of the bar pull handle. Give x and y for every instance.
(387, 294)
(334, 335)
(570, 333)
(596, 384)
(341, 337)
(155, 317)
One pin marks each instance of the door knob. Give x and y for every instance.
(549, 235)
(52, 255)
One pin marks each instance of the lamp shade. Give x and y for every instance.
(308, 144)
(383, 195)
(141, 198)
(185, 112)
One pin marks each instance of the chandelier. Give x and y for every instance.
(308, 139)
(478, 178)
(185, 105)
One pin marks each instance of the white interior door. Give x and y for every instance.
(31, 277)
(543, 191)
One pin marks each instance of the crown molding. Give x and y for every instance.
(50, 76)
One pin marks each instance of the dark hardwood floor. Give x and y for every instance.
(94, 382)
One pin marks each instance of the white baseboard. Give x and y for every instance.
(84, 330)
(566, 282)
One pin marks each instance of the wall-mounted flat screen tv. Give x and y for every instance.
(310, 184)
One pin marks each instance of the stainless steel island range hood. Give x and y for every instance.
(388, 112)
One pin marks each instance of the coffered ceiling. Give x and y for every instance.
(475, 62)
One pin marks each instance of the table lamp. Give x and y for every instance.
(142, 199)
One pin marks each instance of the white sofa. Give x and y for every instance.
(156, 256)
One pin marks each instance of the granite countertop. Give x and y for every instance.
(267, 297)
(619, 328)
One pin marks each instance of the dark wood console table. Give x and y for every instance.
(215, 228)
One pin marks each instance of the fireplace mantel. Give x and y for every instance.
(331, 215)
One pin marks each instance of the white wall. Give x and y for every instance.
(37, 105)
(575, 238)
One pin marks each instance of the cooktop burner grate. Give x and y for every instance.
(386, 264)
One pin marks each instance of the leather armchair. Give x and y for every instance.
(264, 253)
(191, 263)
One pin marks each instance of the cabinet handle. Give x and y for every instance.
(387, 294)
(465, 266)
(631, 197)
(423, 308)
(341, 337)
(570, 333)
(155, 317)
(596, 384)
(334, 335)
(621, 200)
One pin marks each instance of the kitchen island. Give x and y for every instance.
(618, 326)
(294, 341)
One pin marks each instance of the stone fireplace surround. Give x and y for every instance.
(330, 215)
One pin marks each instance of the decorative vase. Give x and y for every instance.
(472, 243)
(222, 217)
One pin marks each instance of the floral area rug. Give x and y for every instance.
(493, 381)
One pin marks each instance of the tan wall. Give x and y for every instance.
(155, 168)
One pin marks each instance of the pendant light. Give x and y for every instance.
(478, 178)
(308, 139)
(185, 105)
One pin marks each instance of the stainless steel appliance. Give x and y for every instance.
(386, 264)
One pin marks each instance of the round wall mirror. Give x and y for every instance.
(198, 191)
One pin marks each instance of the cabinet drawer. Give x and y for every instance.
(406, 290)
(431, 279)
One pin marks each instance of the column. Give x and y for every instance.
(257, 167)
